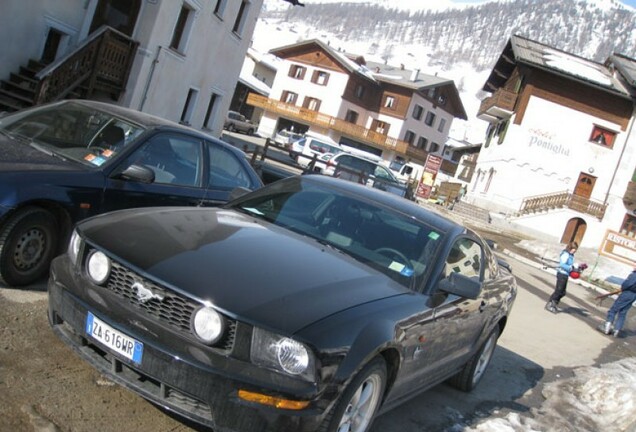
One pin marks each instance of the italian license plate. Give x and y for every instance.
(114, 339)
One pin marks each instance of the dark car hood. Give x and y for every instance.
(20, 156)
(255, 271)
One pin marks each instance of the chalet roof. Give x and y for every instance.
(520, 50)
(254, 84)
(626, 67)
(378, 73)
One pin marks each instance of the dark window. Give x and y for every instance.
(434, 147)
(240, 18)
(628, 228)
(226, 171)
(188, 106)
(208, 112)
(219, 7)
(351, 117)
(174, 159)
(442, 123)
(417, 112)
(297, 72)
(178, 39)
(320, 78)
(603, 136)
(421, 143)
(359, 91)
(464, 258)
(430, 119)
(409, 137)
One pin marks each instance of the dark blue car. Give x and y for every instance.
(63, 162)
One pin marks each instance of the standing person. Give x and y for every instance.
(621, 306)
(566, 264)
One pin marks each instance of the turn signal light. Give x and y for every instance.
(272, 401)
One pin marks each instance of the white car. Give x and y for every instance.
(304, 150)
(284, 138)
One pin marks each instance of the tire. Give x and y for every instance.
(358, 404)
(28, 243)
(250, 132)
(473, 371)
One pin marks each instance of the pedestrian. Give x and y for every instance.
(618, 312)
(566, 265)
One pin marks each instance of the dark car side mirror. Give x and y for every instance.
(137, 173)
(463, 286)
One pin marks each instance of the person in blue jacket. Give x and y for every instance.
(566, 265)
(618, 312)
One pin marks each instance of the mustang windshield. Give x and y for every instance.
(391, 242)
(73, 131)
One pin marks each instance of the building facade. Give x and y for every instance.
(400, 115)
(560, 150)
(176, 59)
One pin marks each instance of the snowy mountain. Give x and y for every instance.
(457, 40)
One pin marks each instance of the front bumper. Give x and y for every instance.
(184, 379)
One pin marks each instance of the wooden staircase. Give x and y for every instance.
(98, 68)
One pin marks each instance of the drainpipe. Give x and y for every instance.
(620, 158)
(149, 80)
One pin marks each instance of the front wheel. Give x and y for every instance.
(357, 406)
(472, 372)
(28, 242)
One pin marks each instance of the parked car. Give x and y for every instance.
(304, 150)
(377, 299)
(361, 170)
(236, 122)
(63, 162)
(285, 138)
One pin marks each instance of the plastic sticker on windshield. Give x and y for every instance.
(401, 268)
(433, 235)
(98, 160)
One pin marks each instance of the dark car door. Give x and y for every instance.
(178, 163)
(440, 339)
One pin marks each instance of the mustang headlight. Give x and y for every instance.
(282, 353)
(98, 267)
(208, 325)
(74, 246)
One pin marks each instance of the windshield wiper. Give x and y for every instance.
(47, 151)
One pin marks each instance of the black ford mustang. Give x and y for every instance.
(310, 304)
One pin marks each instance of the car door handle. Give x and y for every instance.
(482, 306)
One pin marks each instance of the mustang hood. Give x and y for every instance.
(253, 270)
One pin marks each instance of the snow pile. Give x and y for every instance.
(595, 399)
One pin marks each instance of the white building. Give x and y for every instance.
(560, 150)
(400, 115)
(178, 59)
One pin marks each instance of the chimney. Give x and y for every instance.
(377, 69)
(415, 74)
(401, 66)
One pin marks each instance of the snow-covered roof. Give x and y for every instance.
(626, 67)
(254, 83)
(535, 54)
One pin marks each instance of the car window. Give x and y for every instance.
(379, 237)
(175, 159)
(383, 173)
(226, 171)
(465, 258)
(322, 147)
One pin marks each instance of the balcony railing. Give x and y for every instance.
(565, 199)
(102, 62)
(319, 119)
(500, 105)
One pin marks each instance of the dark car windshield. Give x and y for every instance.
(400, 246)
(72, 130)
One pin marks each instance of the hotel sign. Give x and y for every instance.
(619, 247)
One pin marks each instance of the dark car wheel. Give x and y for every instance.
(357, 406)
(28, 241)
(472, 372)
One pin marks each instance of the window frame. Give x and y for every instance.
(351, 116)
(602, 136)
(317, 75)
(297, 72)
(289, 97)
(183, 28)
(429, 120)
(418, 112)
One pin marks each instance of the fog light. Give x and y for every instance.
(272, 401)
(98, 267)
(208, 325)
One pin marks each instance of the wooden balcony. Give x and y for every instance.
(498, 106)
(559, 200)
(325, 121)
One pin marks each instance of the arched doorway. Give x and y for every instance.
(574, 231)
(118, 14)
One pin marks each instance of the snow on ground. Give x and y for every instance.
(595, 399)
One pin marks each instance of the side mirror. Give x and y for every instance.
(460, 285)
(238, 192)
(137, 173)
